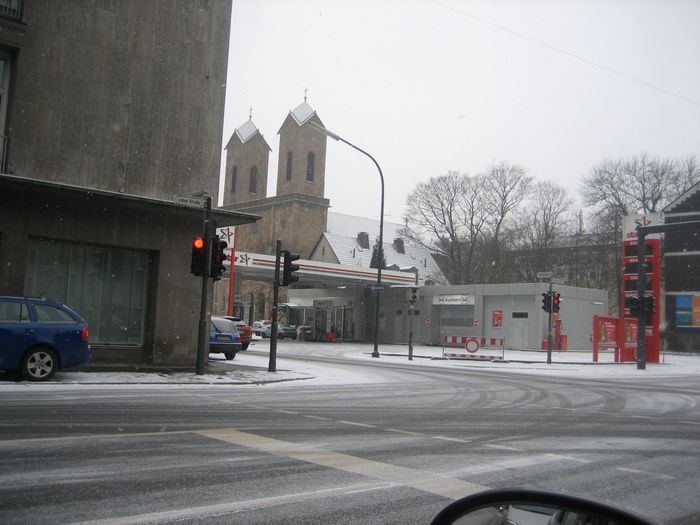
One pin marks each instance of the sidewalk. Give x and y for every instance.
(250, 367)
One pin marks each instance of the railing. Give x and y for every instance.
(11, 9)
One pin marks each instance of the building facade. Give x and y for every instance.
(110, 111)
(681, 261)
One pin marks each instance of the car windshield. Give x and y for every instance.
(348, 261)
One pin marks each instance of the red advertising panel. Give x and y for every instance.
(652, 286)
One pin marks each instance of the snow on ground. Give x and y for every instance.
(250, 367)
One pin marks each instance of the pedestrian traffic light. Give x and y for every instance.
(546, 302)
(634, 305)
(197, 265)
(218, 257)
(412, 295)
(289, 268)
(556, 301)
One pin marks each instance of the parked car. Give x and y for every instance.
(38, 336)
(245, 331)
(283, 330)
(259, 326)
(224, 337)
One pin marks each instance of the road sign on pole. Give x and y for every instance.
(377, 287)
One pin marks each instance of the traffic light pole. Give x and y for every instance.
(410, 333)
(203, 343)
(272, 366)
(549, 325)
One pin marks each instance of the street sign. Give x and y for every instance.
(377, 287)
(192, 202)
(544, 275)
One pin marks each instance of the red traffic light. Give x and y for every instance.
(198, 243)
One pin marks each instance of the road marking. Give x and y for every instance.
(644, 472)
(287, 412)
(456, 440)
(444, 486)
(405, 432)
(233, 507)
(502, 447)
(570, 458)
(356, 424)
(319, 418)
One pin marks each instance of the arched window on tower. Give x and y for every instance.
(253, 188)
(289, 165)
(310, 161)
(234, 179)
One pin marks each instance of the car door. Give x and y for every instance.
(16, 332)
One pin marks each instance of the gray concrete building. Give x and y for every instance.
(512, 312)
(109, 110)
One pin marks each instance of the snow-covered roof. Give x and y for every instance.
(302, 113)
(341, 235)
(246, 131)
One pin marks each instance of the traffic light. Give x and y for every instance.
(546, 302)
(649, 307)
(197, 266)
(412, 295)
(289, 268)
(218, 257)
(556, 301)
(634, 305)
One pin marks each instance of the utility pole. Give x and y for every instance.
(204, 316)
(272, 366)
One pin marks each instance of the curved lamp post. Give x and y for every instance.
(380, 254)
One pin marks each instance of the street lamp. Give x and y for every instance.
(380, 254)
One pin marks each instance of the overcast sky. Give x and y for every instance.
(431, 86)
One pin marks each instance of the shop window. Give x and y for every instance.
(107, 287)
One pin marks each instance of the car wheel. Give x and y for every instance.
(263, 335)
(229, 355)
(244, 346)
(39, 364)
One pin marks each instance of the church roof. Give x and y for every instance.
(246, 131)
(302, 113)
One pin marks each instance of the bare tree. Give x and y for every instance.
(506, 186)
(545, 224)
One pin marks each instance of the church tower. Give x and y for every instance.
(302, 154)
(247, 158)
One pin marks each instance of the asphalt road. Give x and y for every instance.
(390, 452)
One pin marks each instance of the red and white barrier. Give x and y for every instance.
(472, 345)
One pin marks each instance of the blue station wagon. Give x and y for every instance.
(38, 336)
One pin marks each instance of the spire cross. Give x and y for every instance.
(306, 90)
(250, 115)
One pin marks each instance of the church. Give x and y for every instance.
(298, 214)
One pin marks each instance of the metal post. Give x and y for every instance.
(549, 326)
(204, 319)
(272, 367)
(641, 292)
(410, 334)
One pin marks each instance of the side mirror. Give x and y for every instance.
(533, 507)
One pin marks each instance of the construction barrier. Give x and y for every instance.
(473, 345)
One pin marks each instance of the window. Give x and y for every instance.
(45, 313)
(310, 160)
(520, 315)
(253, 180)
(5, 64)
(289, 165)
(234, 179)
(12, 312)
(106, 286)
